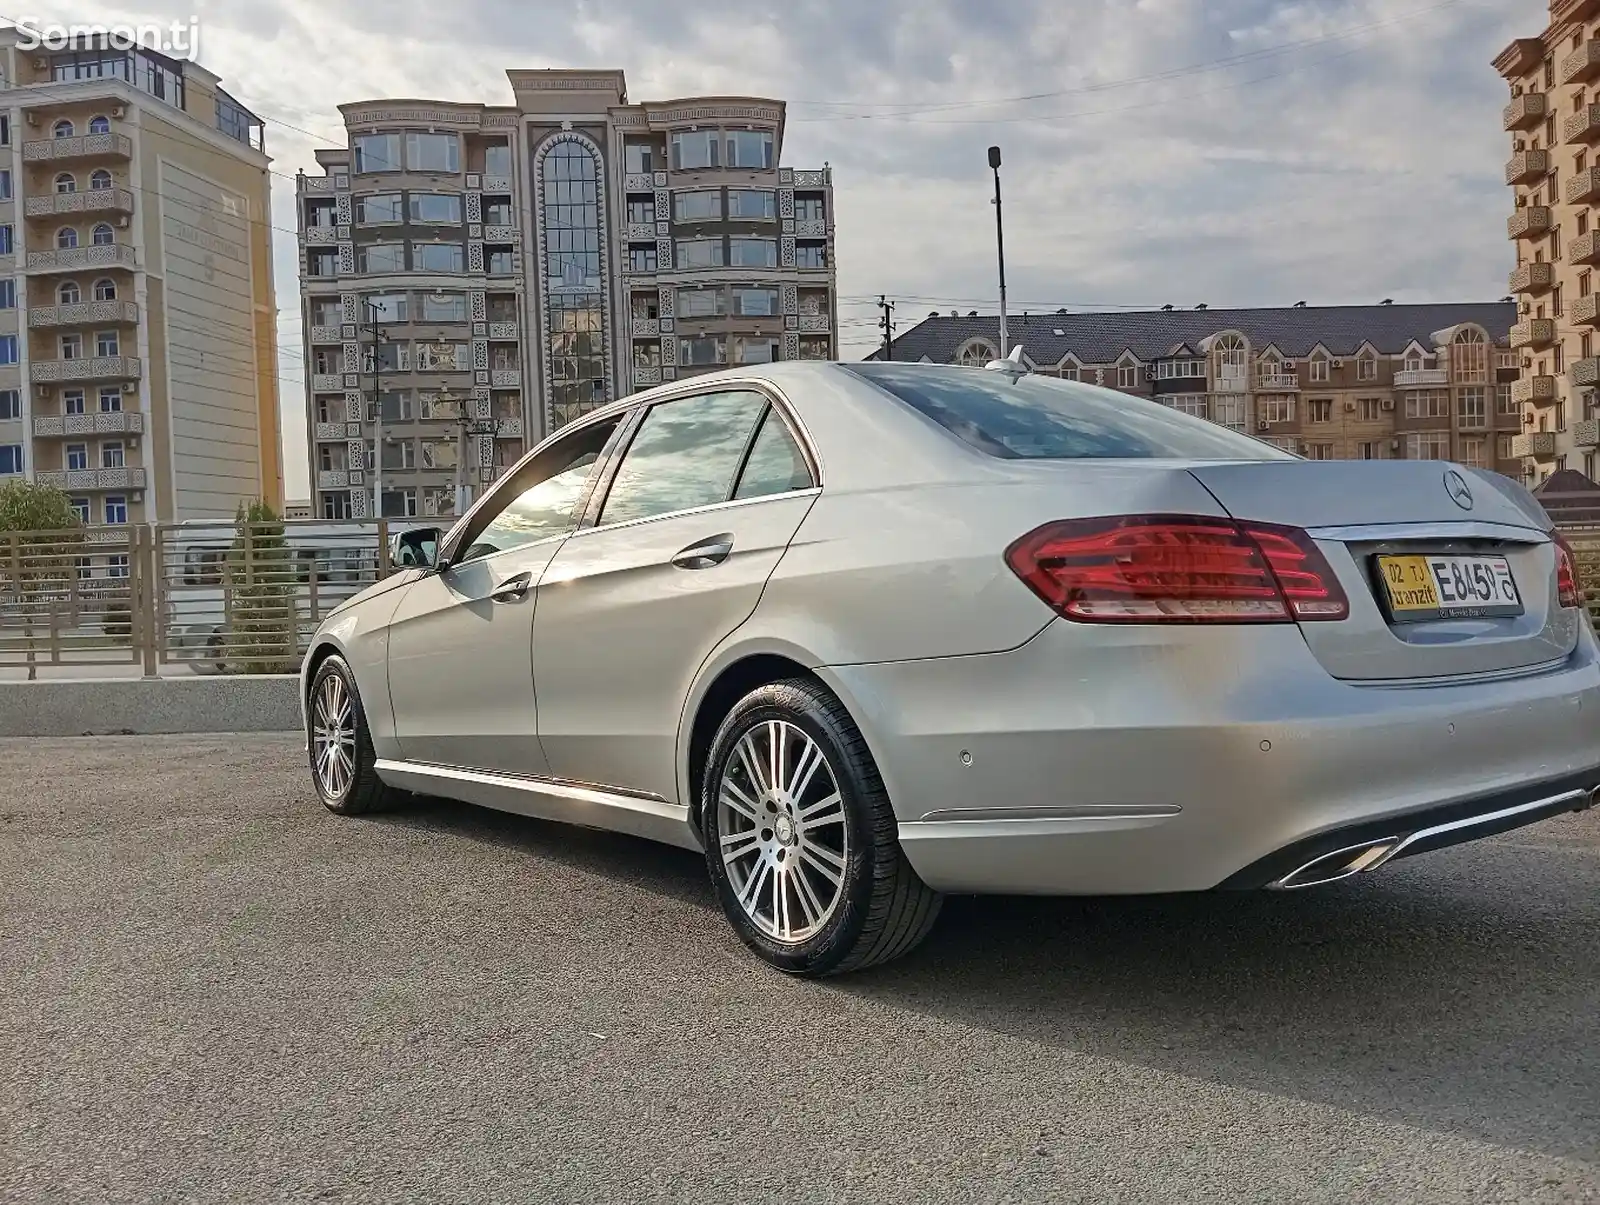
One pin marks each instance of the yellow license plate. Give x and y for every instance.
(1449, 587)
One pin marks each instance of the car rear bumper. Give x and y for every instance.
(1133, 765)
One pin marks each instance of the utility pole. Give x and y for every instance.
(1000, 247)
(887, 307)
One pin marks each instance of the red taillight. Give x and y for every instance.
(1177, 569)
(1569, 586)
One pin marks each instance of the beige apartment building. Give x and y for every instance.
(1377, 382)
(138, 366)
(474, 276)
(1553, 122)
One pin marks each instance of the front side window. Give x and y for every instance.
(433, 152)
(686, 454)
(436, 208)
(1041, 418)
(750, 149)
(543, 496)
(377, 153)
(380, 207)
(692, 149)
(696, 206)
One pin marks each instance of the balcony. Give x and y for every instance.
(1277, 382)
(503, 330)
(1533, 278)
(83, 147)
(1586, 433)
(508, 428)
(505, 378)
(1581, 65)
(1527, 165)
(85, 313)
(1526, 111)
(1583, 187)
(332, 479)
(78, 259)
(327, 382)
(1421, 378)
(646, 374)
(1535, 332)
(117, 422)
(1585, 249)
(93, 479)
(1586, 310)
(813, 324)
(816, 228)
(1531, 221)
(89, 368)
(96, 200)
(1582, 126)
(1537, 391)
(1584, 372)
(325, 333)
(497, 184)
(1538, 444)
(646, 328)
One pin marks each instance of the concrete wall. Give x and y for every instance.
(146, 706)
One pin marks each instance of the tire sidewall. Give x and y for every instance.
(335, 665)
(838, 937)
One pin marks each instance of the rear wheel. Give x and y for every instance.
(801, 840)
(342, 757)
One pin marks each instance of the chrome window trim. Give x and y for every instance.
(1378, 533)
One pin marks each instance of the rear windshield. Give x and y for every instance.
(1042, 418)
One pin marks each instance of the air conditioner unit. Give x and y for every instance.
(1388, 403)
(44, 390)
(1338, 363)
(1519, 144)
(1263, 425)
(1349, 407)
(33, 118)
(137, 496)
(1394, 445)
(123, 221)
(130, 387)
(117, 111)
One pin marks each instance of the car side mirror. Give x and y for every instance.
(418, 549)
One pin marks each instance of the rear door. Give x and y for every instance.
(700, 508)
(1450, 571)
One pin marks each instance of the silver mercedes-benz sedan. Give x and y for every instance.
(866, 634)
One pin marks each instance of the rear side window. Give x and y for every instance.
(1040, 418)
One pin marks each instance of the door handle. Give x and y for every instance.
(513, 589)
(706, 553)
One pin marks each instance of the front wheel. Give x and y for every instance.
(342, 757)
(801, 840)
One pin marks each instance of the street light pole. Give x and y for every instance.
(1000, 247)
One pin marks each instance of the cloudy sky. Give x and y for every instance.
(1232, 152)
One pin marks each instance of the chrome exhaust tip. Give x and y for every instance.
(1340, 864)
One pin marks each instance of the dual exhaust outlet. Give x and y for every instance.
(1370, 855)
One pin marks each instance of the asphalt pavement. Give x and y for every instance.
(211, 990)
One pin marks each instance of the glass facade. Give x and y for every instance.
(575, 286)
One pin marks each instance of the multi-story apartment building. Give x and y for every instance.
(1430, 382)
(475, 276)
(1554, 172)
(138, 366)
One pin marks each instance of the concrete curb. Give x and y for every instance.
(145, 706)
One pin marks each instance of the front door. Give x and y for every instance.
(702, 505)
(461, 640)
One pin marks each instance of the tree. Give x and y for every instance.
(261, 594)
(39, 538)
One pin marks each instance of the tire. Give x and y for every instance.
(775, 852)
(357, 790)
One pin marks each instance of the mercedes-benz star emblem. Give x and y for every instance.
(1456, 486)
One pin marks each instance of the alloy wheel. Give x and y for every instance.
(333, 732)
(782, 830)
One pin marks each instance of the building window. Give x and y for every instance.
(5, 129)
(382, 257)
(399, 504)
(10, 458)
(99, 180)
(1427, 403)
(444, 307)
(1371, 409)
(377, 153)
(103, 235)
(752, 204)
(66, 238)
(1319, 451)
(1127, 376)
(110, 399)
(336, 505)
(1502, 447)
(1428, 445)
(438, 257)
(754, 351)
(641, 212)
(574, 282)
(1319, 369)
(752, 253)
(436, 209)
(106, 343)
(497, 159)
(750, 149)
(1228, 411)
(8, 293)
(10, 404)
(80, 507)
(71, 346)
(1502, 399)
(1320, 410)
(77, 457)
(1472, 447)
(66, 184)
(700, 303)
(642, 258)
(1472, 406)
(701, 206)
(72, 401)
(1366, 368)
(8, 349)
(811, 255)
(99, 124)
(111, 455)
(1071, 372)
(1561, 416)
(1469, 357)
(105, 290)
(693, 149)
(1186, 403)
(116, 510)
(379, 207)
(640, 158)
(809, 209)
(433, 153)
(700, 253)
(62, 129)
(322, 262)
(1277, 409)
(703, 351)
(7, 240)
(756, 303)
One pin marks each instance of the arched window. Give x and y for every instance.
(68, 293)
(1229, 357)
(574, 278)
(99, 124)
(100, 180)
(66, 238)
(1414, 360)
(1469, 357)
(105, 290)
(66, 182)
(104, 236)
(62, 129)
(975, 353)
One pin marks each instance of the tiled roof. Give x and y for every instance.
(1149, 334)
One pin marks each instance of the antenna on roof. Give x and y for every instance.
(1012, 365)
